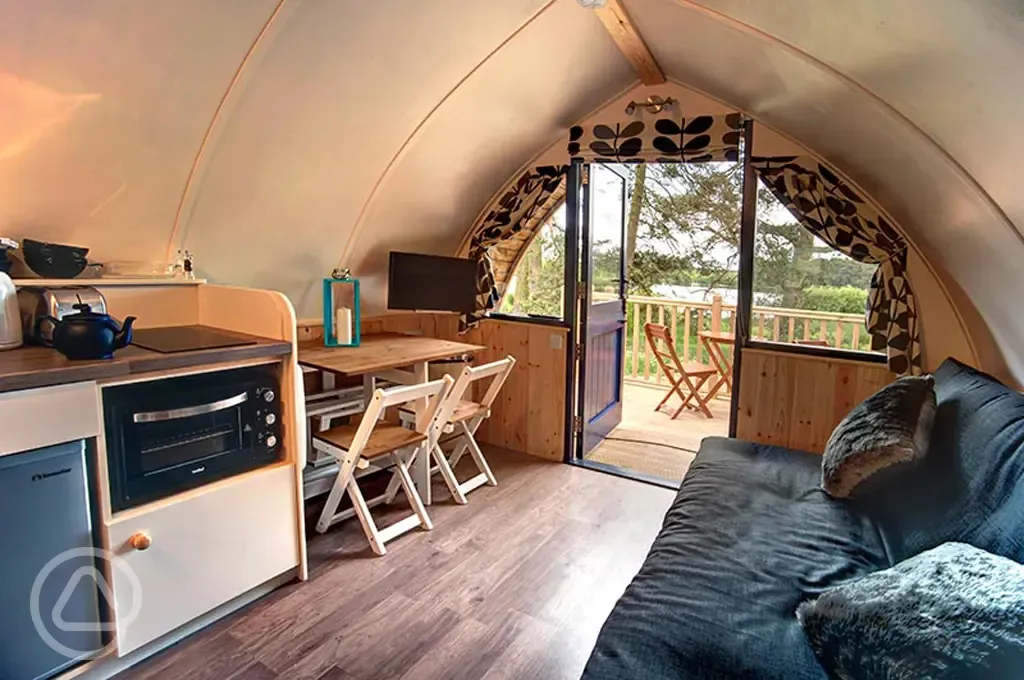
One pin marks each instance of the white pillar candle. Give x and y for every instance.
(343, 325)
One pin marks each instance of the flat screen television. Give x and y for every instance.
(431, 282)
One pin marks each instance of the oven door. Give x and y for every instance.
(185, 439)
(169, 438)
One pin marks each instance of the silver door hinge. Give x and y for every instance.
(577, 424)
(577, 352)
(585, 175)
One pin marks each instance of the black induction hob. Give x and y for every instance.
(170, 339)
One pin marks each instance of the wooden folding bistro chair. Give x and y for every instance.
(689, 376)
(463, 417)
(375, 444)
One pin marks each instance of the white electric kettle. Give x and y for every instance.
(10, 314)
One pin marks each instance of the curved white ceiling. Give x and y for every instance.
(358, 127)
(378, 126)
(102, 107)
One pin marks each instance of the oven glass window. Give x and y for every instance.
(170, 444)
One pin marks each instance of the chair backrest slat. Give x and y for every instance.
(434, 391)
(501, 370)
(655, 332)
(498, 370)
(403, 394)
(430, 418)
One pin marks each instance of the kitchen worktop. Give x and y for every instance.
(28, 367)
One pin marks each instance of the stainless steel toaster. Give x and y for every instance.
(10, 321)
(37, 302)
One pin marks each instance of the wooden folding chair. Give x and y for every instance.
(690, 375)
(467, 416)
(370, 442)
(463, 417)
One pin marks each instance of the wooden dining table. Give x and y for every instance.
(394, 357)
(715, 343)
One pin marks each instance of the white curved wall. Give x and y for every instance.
(331, 157)
(358, 127)
(102, 107)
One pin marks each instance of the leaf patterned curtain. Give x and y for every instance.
(518, 209)
(827, 207)
(667, 139)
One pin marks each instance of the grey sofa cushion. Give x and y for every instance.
(750, 536)
(952, 612)
(889, 428)
(970, 486)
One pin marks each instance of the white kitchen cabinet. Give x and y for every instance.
(198, 551)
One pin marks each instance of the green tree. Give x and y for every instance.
(540, 276)
(636, 204)
(840, 299)
(682, 228)
(693, 211)
(786, 257)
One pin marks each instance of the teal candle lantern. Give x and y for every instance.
(341, 310)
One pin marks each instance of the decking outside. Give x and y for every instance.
(650, 442)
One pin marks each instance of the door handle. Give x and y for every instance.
(189, 411)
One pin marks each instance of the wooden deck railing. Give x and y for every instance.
(687, 319)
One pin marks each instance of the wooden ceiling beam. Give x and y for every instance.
(620, 26)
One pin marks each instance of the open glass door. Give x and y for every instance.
(602, 318)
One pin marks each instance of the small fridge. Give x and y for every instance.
(49, 604)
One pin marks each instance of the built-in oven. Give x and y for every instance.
(167, 436)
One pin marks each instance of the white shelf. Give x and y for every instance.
(109, 281)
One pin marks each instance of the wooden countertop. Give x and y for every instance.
(28, 367)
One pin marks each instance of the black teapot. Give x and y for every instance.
(86, 334)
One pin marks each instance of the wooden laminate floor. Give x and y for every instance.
(514, 585)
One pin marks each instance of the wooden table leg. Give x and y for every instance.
(721, 365)
(369, 385)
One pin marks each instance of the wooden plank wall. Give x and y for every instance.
(529, 415)
(797, 400)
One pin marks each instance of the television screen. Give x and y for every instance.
(431, 282)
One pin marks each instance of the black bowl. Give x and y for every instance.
(53, 260)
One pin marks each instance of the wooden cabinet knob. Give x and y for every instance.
(140, 541)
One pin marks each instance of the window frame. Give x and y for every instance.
(815, 351)
(745, 284)
(568, 297)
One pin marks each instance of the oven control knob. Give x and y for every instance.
(271, 419)
(269, 395)
(271, 441)
(140, 541)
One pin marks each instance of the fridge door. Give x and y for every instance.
(48, 576)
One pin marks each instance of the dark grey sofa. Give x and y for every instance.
(751, 535)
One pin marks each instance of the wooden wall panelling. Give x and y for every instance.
(546, 413)
(797, 400)
(446, 326)
(529, 414)
(813, 392)
(515, 395)
(781, 404)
